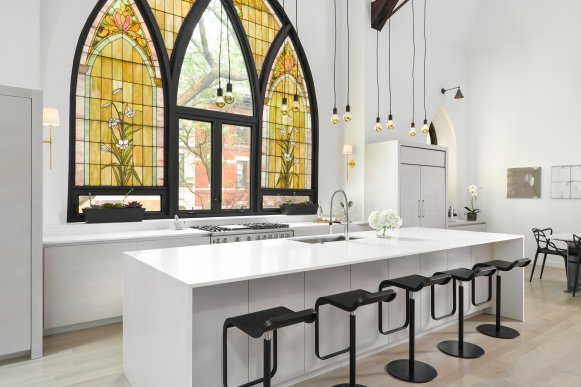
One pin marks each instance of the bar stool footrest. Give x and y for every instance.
(468, 351)
(501, 333)
(422, 372)
(348, 385)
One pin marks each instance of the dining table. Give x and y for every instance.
(572, 258)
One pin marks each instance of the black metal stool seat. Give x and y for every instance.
(460, 348)
(411, 370)
(349, 302)
(497, 330)
(258, 324)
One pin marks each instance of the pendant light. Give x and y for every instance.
(347, 117)
(284, 106)
(220, 102)
(229, 97)
(425, 127)
(296, 96)
(412, 131)
(335, 117)
(378, 127)
(390, 123)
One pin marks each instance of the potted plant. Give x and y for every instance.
(385, 222)
(290, 207)
(114, 212)
(471, 212)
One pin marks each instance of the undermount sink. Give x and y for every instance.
(324, 239)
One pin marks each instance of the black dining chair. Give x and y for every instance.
(546, 247)
(577, 254)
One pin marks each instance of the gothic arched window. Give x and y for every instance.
(144, 121)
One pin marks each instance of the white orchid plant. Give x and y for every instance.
(385, 220)
(473, 191)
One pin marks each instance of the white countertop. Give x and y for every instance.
(464, 223)
(200, 266)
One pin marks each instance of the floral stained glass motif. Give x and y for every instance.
(261, 25)
(198, 82)
(119, 103)
(287, 139)
(170, 15)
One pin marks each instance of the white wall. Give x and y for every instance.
(20, 42)
(61, 32)
(524, 112)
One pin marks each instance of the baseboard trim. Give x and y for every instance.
(15, 355)
(81, 326)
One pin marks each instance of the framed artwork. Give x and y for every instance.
(523, 183)
(566, 182)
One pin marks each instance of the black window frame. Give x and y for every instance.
(170, 73)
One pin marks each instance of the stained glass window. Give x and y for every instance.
(286, 139)
(119, 103)
(199, 74)
(261, 26)
(170, 15)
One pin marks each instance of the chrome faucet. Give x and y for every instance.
(346, 210)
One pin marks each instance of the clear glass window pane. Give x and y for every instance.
(151, 203)
(235, 167)
(270, 202)
(199, 74)
(195, 165)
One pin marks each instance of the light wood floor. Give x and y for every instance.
(547, 353)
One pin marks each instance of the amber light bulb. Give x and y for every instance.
(335, 117)
(220, 102)
(296, 103)
(412, 131)
(229, 97)
(347, 117)
(284, 107)
(378, 127)
(425, 127)
(390, 123)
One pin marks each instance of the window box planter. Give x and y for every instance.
(113, 215)
(299, 209)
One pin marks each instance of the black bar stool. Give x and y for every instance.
(411, 370)
(460, 348)
(349, 302)
(258, 324)
(497, 330)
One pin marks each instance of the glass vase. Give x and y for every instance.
(384, 232)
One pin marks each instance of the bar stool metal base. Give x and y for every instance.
(349, 385)
(422, 372)
(468, 350)
(501, 332)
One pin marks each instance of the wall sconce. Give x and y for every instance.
(50, 118)
(348, 151)
(458, 95)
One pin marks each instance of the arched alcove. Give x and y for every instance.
(446, 135)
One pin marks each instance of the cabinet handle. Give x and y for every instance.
(419, 209)
(423, 209)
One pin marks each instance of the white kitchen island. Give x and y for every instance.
(176, 300)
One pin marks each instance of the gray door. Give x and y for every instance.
(15, 228)
(410, 195)
(433, 197)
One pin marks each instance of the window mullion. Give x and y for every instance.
(216, 189)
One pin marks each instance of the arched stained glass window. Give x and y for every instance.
(149, 127)
(261, 25)
(170, 15)
(287, 138)
(119, 103)
(198, 78)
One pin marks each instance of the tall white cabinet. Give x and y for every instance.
(21, 228)
(409, 178)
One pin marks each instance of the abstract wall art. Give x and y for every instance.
(523, 183)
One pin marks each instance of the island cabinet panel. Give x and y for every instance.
(334, 326)
(482, 253)
(287, 291)
(432, 263)
(213, 305)
(513, 293)
(458, 258)
(399, 267)
(368, 276)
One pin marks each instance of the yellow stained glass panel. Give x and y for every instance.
(170, 15)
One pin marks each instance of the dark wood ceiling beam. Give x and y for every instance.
(382, 10)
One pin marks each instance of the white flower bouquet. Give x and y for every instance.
(384, 222)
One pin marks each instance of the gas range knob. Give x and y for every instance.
(216, 241)
(275, 236)
(248, 238)
(237, 239)
(224, 240)
(270, 236)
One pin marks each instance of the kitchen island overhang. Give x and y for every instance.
(176, 300)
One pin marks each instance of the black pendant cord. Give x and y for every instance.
(377, 68)
(425, 57)
(335, 60)
(220, 51)
(348, 57)
(284, 75)
(389, 61)
(228, 39)
(414, 63)
(297, 29)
